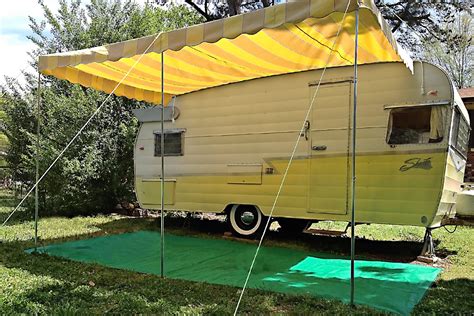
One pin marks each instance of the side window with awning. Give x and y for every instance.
(417, 125)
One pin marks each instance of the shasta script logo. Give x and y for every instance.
(419, 163)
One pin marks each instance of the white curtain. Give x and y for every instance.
(437, 122)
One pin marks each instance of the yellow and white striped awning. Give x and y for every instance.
(285, 38)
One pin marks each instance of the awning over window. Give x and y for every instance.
(285, 38)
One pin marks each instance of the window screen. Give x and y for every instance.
(471, 140)
(460, 134)
(416, 125)
(173, 143)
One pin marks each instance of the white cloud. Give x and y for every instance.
(13, 55)
(14, 27)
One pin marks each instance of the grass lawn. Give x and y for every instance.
(42, 284)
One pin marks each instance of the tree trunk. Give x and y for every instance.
(234, 6)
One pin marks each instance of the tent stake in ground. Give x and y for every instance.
(354, 122)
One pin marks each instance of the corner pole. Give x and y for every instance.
(162, 145)
(38, 130)
(354, 118)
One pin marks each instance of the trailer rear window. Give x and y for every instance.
(173, 143)
(416, 125)
(471, 139)
(460, 133)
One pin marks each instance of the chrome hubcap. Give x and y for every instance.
(247, 217)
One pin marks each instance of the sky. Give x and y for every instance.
(13, 31)
(14, 27)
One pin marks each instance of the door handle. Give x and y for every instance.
(306, 130)
(319, 147)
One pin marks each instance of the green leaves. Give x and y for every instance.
(97, 170)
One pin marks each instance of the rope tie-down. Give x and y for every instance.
(282, 182)
(78, 133)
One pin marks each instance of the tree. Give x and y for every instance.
(425, 17)
(456, 55)
(97, 170)
(4, 143)
(413, 21)
(216, 9)
(429, 29)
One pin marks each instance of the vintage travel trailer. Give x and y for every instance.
(227, 148)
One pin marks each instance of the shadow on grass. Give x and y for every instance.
(381, 271)
(7, 204)
(78, 287)
(448, 297)
(396, 251)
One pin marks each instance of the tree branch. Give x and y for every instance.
(199, 10)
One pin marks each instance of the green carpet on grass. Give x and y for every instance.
(395, 287)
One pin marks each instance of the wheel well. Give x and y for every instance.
(229, 207)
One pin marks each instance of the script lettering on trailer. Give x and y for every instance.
(419, 163)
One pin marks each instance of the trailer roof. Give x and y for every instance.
(285, 38)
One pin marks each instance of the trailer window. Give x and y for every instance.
(173, 143)
(471, 139)
(460, 133)
(416, 125)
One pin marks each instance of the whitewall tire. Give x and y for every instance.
(245, 220)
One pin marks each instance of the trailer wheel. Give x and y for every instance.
(292, 226)
(245, 220)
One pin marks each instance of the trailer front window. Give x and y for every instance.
(416, 125)
(173, 143)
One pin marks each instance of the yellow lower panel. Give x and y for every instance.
(391, 189)
(149, 192)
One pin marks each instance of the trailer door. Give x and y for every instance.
(329, 148)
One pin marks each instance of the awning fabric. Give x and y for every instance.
(285, 38)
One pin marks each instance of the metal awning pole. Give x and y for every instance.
(354, 125)
(162, 146)
(38, 130)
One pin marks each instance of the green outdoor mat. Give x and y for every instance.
(395, 287)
